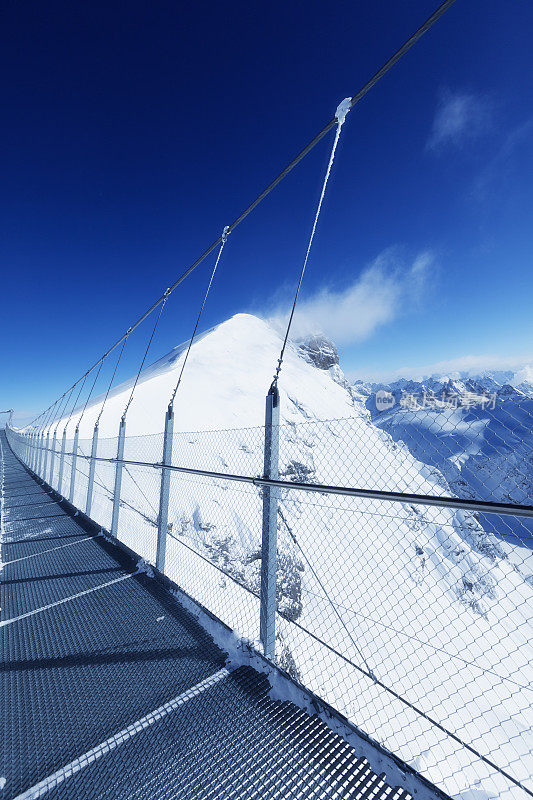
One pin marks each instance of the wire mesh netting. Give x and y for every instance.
(483, 454)
(112, 688)
(413, 621)
(214, 547)
(232, 452)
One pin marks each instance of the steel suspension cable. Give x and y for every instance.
(225, 234)
(145, 353)
(49, 416)
(54, 412)
(62, 410)
(326, 594)
(413, 39)
(112, 379)
(340, 116)
(89, 396)
(75, 401)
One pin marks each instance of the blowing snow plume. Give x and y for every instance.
(375, 298)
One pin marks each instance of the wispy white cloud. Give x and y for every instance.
(505, 161)
(459, 117)
(386, 288)
(469, 365)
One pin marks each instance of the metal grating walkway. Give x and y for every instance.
(110, 689)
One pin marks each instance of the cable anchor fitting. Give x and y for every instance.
(225, 233)
(342, 110)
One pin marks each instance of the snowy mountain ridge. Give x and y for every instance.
(477, 431)
(393, 573)
(507, 384)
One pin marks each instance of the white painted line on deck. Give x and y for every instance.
(43, 552)
(124, 735)
(65, 600)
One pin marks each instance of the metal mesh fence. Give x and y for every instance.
(104, 477)
(214, 547)
(413, 621)
(481, 445)
(82, 473)
(233, 452)
(112, 688)
(404, 609)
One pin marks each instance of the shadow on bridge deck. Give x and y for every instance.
(111, 689)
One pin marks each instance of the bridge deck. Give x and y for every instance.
(110, 689)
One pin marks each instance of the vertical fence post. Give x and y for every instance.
(39, 452)
(52, 459)
(73, 468)
(162, 522)
(62, 462)
(92, 465)
(267, 614)
(118, 477)
(45, 461)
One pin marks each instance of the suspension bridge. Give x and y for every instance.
(124, 676)
(111, 688)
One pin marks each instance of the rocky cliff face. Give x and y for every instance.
(318, 350)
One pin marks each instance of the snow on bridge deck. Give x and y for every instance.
(111, 689)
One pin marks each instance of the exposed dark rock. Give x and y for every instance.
(317, 349)
(297, 472)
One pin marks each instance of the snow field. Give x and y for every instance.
(424, 599)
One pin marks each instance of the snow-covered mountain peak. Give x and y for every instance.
(227, 377)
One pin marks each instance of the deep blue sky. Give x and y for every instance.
(133, 132)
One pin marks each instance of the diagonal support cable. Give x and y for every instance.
(326, 595)
(112, 378)
(163, 304)
(340, 116)
(225, 234)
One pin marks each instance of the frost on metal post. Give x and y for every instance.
(47, 445)
(267, 626)
(162, 524)
(40, 437)
(37, 451)
(52, 459)
(62, 462)
(33, 450)
(92, 466)
(118, 477)
(73, 465)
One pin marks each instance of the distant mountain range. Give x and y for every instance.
(507, 384)
(477, 431)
